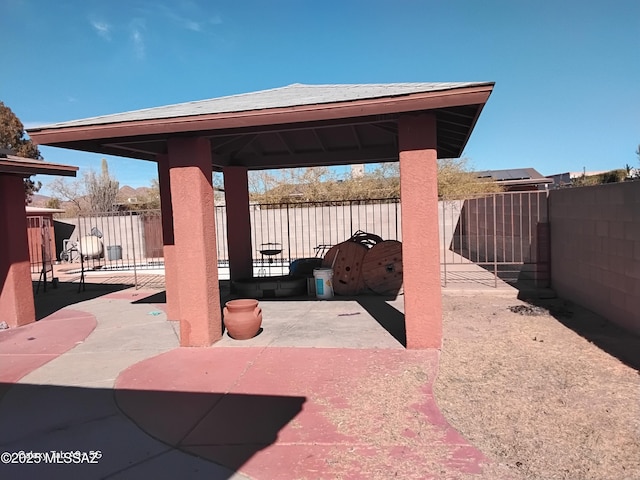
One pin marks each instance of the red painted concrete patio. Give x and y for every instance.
(300, 413)
(262, 412)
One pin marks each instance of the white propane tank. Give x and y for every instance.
(90, 246)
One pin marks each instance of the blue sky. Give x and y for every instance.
(567, 73)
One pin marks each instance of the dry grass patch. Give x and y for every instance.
(534, 395)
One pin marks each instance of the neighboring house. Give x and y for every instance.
(517, 179)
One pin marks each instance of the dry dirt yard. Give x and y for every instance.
(540, 400)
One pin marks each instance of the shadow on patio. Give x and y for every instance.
(227, 429)
(67, 293)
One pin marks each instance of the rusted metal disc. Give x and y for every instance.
(382, 268)
(347, 269)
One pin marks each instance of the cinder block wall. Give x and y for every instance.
(595, 249)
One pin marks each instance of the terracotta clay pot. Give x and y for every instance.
(242, 318)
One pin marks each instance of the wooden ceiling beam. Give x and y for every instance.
(340, 157)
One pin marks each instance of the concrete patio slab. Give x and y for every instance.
(333, 323)
(351, 402)
(300, 412)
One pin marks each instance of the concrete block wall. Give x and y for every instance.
(595, 249)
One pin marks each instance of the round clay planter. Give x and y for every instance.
(242, 318)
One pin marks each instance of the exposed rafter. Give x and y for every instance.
(320, 142)
(339, 157)
(285, 143)
(356, 137)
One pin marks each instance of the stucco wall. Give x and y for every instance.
(595, 249)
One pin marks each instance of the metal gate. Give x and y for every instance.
(495, 238)
(126, 245)
(40, 239)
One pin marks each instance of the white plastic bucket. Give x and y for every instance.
(324, 282)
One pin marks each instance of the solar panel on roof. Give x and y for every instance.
(507, 174)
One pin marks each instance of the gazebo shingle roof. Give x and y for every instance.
(293, 95)
(292, 126)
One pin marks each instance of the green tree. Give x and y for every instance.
(14, 139)
(456, 179)
(53, 203)
(612, 176)
(151, 198)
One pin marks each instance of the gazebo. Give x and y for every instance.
(293, 126)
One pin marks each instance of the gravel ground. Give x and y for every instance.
(540, 400)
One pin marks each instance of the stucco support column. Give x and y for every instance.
(195, 241)
(16, 290)
(236, 193)
(169, 250)
(420, 238)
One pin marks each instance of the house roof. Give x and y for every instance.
(41, 210)
(26, 167)
(296, 125)
(515, 176)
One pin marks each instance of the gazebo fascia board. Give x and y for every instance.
(26, 167)
(111, 138)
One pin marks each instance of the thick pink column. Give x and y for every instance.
(195, 241)
(236, 192)
(420, 239)
(16, 290)
(169, 250)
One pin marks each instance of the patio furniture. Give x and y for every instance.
(270, 249)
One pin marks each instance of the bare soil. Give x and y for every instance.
(541, 400)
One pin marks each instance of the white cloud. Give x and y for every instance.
(102, 28)
(192, 25)
(138, 42)
(137, 28)
(188, 15)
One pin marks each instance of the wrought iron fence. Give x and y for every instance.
(284, 232)
(501, 234)
(309, 229)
